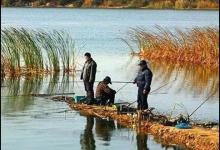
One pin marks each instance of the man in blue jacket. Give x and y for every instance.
(143, 81)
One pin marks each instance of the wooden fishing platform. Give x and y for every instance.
(196, 138)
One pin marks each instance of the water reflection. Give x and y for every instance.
(97, 130)
(104, 129)
(194, 79)
(16, 104)
(87, 140)
(26, 85)
(30, 85)
(16, 92)
(142, 141)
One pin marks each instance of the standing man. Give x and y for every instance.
(88, 77)
(143, 81)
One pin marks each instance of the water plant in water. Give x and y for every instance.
(36, 51)
(192, 46)
(35, 84)
(194, 79)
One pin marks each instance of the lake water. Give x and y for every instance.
(35, 123)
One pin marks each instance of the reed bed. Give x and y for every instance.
(26, 51)
(192, 46)
(194, 79)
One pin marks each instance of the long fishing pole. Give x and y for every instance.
(41, 95)
(63, 111)
(95, 81)
(155, 90)
(118, 82)
(126, 83)
(201, 104)
(133, 82)
(164, 84)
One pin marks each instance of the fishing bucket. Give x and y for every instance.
(183, 125)
(79, 99)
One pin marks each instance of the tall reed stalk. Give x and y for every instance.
(193, 46)
(36, 51)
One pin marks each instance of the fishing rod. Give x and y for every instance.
(126, 83)
(95, 81)
(63, 111)
(118, 82)
(155, 90)
(41, 95)
(163, 85)
(201, 104)
(63, 108)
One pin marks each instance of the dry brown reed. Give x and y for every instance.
(192, 46)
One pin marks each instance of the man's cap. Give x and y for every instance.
(142, 63)
(87, 54)
(107, 79)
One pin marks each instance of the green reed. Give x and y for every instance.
(36, 51)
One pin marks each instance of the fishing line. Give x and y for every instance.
(63, 111)
(163, 85)
(48, 110)
(126, 83)
(175, 108)
(211, 95)
(155, 90)
(40, 95)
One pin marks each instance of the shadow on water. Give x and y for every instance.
(104, 131)
(16, 92)
(26, 85)
(197, 80)
(142, 141)
(87, 140)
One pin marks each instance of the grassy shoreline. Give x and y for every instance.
(138, 8)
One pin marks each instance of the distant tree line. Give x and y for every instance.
(159, 4)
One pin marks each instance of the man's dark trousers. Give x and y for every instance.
(110, 98)
(142, 99)
(89, 92)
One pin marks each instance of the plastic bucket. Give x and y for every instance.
(78, 99)
(183, 126)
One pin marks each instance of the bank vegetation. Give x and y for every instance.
(150, 4)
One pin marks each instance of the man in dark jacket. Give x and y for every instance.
(104, 94)
(88, 76)
(143, 81)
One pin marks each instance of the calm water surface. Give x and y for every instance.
(38, 123)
